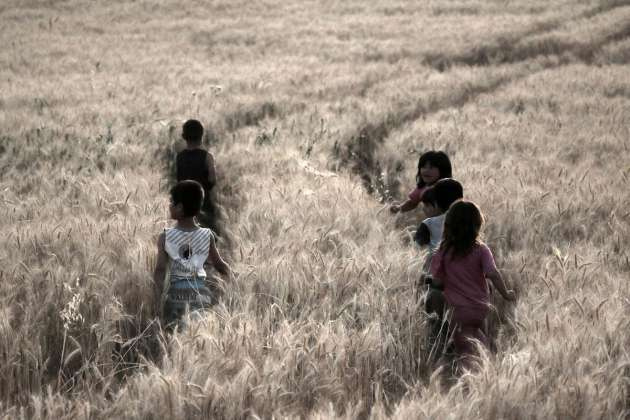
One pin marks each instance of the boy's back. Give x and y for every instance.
(194, 164)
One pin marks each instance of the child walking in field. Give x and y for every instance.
(197, 164)
(436, 201)
(183, 250)
(194, 162)
(432, 166)
(461, 265)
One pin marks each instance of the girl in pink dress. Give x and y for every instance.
(432, 166)
(461, 265)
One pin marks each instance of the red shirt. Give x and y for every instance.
(464, 277)
(416, 195)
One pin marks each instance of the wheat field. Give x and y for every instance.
(317, 112)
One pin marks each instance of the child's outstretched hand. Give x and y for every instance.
(499, 284)
(395, 208)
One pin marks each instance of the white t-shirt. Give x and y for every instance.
(435, 226)
(187, 251)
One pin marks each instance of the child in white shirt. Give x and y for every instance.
(436, 201)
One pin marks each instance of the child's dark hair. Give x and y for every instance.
(462, 224)
(446, 191)
(428, 197)
(192, 131)
(440, 160)
(190, 194)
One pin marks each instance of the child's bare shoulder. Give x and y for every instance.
(482, 248)
(211, 235)
(161, 240)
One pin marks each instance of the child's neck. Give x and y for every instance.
(186, 223)
(193, 146)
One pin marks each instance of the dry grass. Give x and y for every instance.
(309, 104)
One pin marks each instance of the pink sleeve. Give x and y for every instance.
(436, 264)
(487, 260)
(416, 195)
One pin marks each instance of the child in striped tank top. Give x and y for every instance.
(182, 253)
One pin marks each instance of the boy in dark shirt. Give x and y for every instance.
(194, 162)
(197, 164)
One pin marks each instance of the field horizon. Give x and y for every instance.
(316, 113)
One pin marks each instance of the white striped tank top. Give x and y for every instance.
(188, 251)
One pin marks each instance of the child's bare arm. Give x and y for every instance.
(217, 262)
(212, 173)
(408, 205)
(405, 206)
(159, 273)
(499, 284)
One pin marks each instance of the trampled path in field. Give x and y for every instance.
(548, 45)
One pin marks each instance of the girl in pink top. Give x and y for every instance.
(432, 166)
(461, 265)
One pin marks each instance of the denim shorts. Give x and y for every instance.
(186, 294)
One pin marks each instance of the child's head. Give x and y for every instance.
(446, 191)
(192, 132)
(433, 165)
(186, 199)
(429, 203)
(462, 224)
